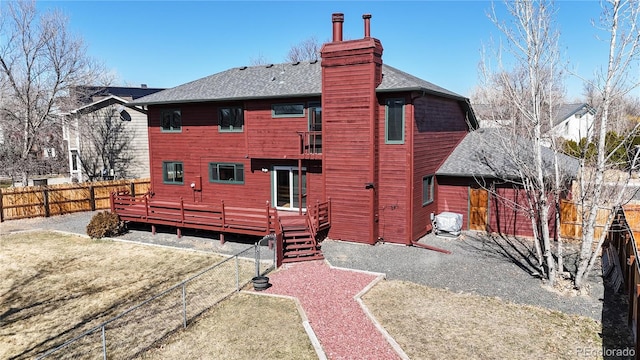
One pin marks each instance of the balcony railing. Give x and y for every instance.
(310, 142)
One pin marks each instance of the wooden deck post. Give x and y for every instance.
(181, 210)
(132, 189)
(45, 199)
(221, 238)
(153, 229)
(92, 198)
(268, 228)
(223, 215)
(179, 233)
(112, 202)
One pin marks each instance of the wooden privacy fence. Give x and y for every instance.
(35, 201)
(571, 220)
(622, 245)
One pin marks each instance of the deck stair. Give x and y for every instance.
(299, 242)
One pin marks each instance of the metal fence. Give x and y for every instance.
(146, 324)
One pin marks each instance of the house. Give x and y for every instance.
(571, 121)
(106, 138)
(574, 122)
(347, 144)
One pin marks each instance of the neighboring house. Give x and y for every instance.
(572, 122)
(104, 104)
(364, 137)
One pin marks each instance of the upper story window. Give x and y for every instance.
(226, 173)
(171, 120)
(230, 119)
(287, 110)
(172, 172)
(394, 122)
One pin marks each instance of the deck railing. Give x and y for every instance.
(222, 218)
(310, 142)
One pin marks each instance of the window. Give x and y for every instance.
(172, 172)
(230, 119)
(287, 110)
(394, 122)
(427, 190)
(226, 173)
(74, 160)
(171, 121)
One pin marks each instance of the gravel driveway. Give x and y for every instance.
(490, 267)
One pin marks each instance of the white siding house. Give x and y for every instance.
(86, 122)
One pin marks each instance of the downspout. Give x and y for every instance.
(410, 181)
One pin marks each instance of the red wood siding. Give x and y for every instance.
(394, 172)
(453, 195)
(349, 122)
(439, 125)
(200, 143)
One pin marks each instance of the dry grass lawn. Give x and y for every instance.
(54, 287)
(244, 327)
(438, 324)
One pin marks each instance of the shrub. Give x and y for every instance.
(105, 224)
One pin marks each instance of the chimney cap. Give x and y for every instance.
(366, 16)
(337, 17)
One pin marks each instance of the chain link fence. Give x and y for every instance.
(138, 329)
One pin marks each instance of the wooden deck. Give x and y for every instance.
(219, 218)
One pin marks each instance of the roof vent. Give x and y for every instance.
(243, 68)
(313, 61)
(269, 66)
(296, 63)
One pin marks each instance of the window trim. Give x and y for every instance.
(275, 116)
(231, 129)
(431, 190)
(386, 121)
(165, 172)
(170, 130)
(235, 172)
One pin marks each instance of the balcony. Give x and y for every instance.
(310, 144)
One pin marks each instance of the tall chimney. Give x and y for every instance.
(367, 25)
(338, 19)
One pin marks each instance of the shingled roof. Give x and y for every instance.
(278, 81)
(481, 154)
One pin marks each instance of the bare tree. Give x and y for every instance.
(619, 19)
(529, 93)
(307, 50)
(39, 62)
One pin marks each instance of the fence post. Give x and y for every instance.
(184, 305)
(92, 198)
(45, 199)
(1, 209)
(104, 344)
(237, 274)
(637, 306)
(633, 295)
(132, 189)
(112, 201)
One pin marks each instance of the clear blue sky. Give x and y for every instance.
(168, 43)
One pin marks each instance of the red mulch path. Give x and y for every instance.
(326, 295)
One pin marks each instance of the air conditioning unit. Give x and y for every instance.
(447, 223)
